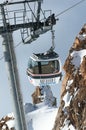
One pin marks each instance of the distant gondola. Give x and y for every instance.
(44, 69)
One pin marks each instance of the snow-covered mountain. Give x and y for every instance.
(71, 115)
(72, 112)
(42, 113)
(42, 118)
(39, 117)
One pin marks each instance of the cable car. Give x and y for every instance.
(44, 69)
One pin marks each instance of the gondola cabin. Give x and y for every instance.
(44, 69)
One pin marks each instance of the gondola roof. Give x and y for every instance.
(45, 56)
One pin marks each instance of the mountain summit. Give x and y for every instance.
(72, 111)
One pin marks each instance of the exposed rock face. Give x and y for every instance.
(36, 95)
(72, 111)
(44, 94)
(5, 122)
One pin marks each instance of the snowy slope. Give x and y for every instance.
(42, 118)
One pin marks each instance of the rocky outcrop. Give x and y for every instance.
(44, 94)
(6, 121)
(36, 96)
(72, 111)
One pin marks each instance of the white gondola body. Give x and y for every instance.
(44, 82)
(45, 78)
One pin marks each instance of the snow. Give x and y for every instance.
(67, 98)
(10, 123)
(40, 116)
(75, 92)
(78, 57)
(69, 83)
(49, 98)
(42, 119)
(82, 37)
(11, 115)
(66, 127)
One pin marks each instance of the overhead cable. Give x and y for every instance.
(55, 16)
(70, 8)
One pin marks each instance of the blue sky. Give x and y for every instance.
(66, 29)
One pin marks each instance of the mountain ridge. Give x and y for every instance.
(72, 110)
